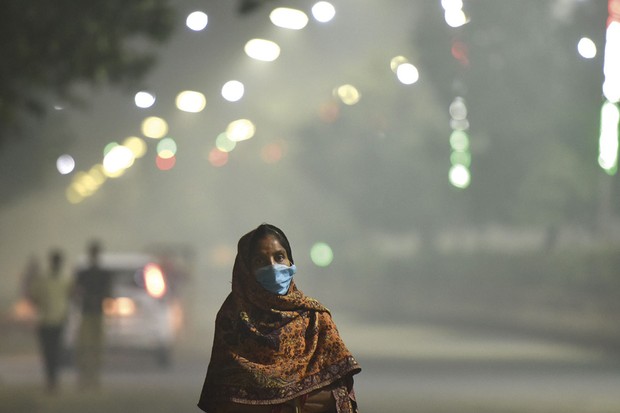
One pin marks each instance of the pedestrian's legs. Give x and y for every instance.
(49, 340)
(90, 347)
(55, 353)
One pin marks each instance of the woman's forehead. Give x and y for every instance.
(269, 243)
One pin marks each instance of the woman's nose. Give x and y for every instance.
(273, 261)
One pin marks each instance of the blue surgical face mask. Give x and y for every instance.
(276, 278)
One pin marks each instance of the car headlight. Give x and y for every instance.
(154, 281)
(119, 306)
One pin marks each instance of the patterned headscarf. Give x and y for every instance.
(271, 348)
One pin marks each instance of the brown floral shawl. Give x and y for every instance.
(268, 348)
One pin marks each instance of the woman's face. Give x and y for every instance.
(268, 251)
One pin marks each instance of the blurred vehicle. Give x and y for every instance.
(142, 313)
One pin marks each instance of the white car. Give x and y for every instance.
(142, 314)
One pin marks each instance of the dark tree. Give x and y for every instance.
(48, 46)
(533, 104)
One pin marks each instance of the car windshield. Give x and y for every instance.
(128, 278)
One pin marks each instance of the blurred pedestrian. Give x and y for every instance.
(275, 349)
(50, 293)
(29, 276)
(92, 286)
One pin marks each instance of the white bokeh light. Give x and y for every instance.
(65, 164)
(586, 48)
(452, 4)
(197, 21)
(144, 99)
(261, 49)
(407, 74)
(455, 17)
(323, 11)
(459, 176)
(288, 18)
(611, 65)
(233, 90)
(240, 130)
(117, 159)
(191, 101)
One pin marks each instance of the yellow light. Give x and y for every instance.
(154, 281)
(240, 130)
(84, 184)
(125, 306)
(78, 187)
(136, 145)
(119, 158)
(97, 174)
(89, 183)
(261, 49)
(114, 174)
(119, 307)
(73, 196)
(154, 127)
(348, 94)
(191, 101)
(397, 61)
(288, 18)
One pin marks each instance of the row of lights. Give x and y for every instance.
(460, 158)
(120, 157)
(459, 174)
(453, 13)
(610, 113)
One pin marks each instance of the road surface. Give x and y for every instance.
(406, 368)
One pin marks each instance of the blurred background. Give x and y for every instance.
(445, 171)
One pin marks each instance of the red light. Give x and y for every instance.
(614, 11)
(218, 158)
(154, 280)
(165, 164)
(460, 52)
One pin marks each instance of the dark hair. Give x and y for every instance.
(56, 259)
(56, 256)
(94, 247)
(264, 230)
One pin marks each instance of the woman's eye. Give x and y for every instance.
(280, 258)
(259, 262)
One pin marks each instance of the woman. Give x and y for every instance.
(275, 350)
(51, 295)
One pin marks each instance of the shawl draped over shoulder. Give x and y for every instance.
(269, 348)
